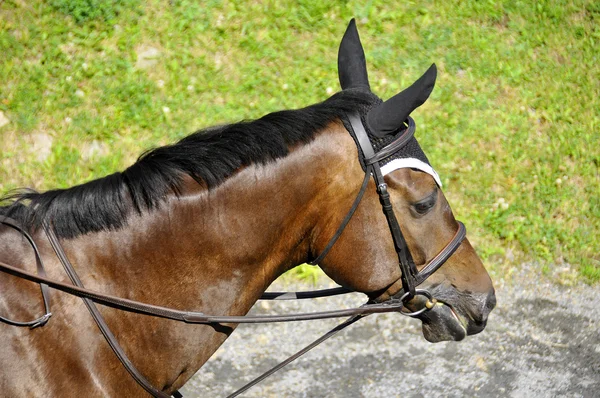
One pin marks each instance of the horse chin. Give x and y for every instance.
(442, 323)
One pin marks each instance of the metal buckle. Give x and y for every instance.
(41, 321)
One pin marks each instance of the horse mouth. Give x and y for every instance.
(443, 323)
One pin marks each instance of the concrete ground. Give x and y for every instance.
(542, 340)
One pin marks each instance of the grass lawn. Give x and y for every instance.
(513, 126)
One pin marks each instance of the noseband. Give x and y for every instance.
(411, 277)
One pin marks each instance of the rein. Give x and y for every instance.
(411, 277)
(41, 321)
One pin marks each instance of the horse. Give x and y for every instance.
(211, 221)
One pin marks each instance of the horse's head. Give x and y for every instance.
(366, 256)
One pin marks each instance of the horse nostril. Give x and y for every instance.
(476, 327)
(479, 319)
(491, 300)
(488, 304)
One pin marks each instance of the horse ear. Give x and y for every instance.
(388, 117)
(352, 67)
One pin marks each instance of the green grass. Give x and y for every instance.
(512, 126)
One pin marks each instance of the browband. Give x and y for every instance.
(394, 146)
(404, 162)
(411, 163)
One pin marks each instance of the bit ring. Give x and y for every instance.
(429, 304)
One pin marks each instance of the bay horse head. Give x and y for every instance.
(365, 257)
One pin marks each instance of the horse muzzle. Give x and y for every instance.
(455, 316)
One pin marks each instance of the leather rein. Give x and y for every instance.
(411, 277)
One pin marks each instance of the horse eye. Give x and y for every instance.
(425, 205)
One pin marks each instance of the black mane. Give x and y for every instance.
(209, 156)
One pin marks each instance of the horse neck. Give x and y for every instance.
(216, 251)
(247, 231)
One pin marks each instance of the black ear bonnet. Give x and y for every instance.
(411, 150)
(386, 121)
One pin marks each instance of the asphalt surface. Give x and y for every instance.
(542, 340)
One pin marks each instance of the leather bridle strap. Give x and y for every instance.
(410, 274)
(395, 145)
(99, 319)
(399, 297)
(306, 294)
(344, 222)
(371, 160)
(201, 318)
(407, 265)
(297, 355)
(191, 316)
(443, 255)
(435, 263)
(41, 321)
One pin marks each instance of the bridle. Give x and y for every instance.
(411, 277)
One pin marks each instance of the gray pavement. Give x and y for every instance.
(542, 340)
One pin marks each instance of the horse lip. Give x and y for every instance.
(470, 328)
(461, 321)
(442, 323)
